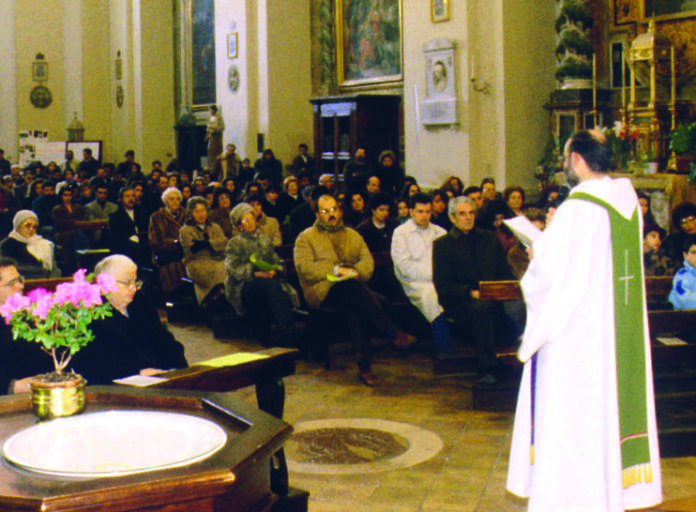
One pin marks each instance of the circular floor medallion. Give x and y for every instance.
(358, 445)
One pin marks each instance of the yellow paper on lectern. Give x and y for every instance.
(232, 359)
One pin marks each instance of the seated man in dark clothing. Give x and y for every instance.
(132, 340)
(19, 359)
(377, 232)
(43, 206)
(303, 216)
(128, 229)
(461, 259)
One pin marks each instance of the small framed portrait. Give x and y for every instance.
(439, 10)
(232, 48)
(39, 71)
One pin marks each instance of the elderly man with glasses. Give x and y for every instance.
(132, 340)
(19, 359)
(333, 264)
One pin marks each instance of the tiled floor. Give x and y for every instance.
(468, 474)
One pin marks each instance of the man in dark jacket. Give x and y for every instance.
(461, 259)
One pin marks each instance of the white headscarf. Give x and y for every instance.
(37, 246)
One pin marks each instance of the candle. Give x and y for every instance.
(594, 87)
(623, 81)
(473, 65)
(674, 81)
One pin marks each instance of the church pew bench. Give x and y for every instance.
(49, 284)
(265, 371)
(673, 369)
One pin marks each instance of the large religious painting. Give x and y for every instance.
(668, 9)
(368, 35)
(202, 52)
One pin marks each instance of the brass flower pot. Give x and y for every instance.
(55, 395)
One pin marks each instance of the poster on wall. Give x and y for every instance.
(369, 42)
(202, 53)
(28, 140)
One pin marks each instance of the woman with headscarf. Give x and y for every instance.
(163, 234)
(204, 248)
(252, 284)
(34, 254)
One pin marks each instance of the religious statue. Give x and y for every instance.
(215, 127)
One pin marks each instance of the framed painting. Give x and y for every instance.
(439, 10)
(232, 41)
(666, 9)
(201, 21)
(369, 43)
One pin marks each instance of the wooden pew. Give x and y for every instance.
(49, 284)
(673, 369)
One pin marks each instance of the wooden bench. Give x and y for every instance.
(673, 369)
(49, 284)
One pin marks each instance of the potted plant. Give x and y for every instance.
(59, 321)
(682, 142)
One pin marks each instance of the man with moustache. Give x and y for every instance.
(585, 435)
(333, 264)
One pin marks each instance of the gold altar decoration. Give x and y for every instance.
(655, 116)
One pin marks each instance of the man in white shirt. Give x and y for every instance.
(412, 253)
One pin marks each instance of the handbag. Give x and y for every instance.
(163, 258)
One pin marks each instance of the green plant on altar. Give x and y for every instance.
(683, 139)
(59, 321)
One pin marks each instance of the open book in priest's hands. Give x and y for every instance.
(523, 229)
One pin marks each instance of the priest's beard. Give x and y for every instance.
(571, 177)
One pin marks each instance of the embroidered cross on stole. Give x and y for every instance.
(630, 342)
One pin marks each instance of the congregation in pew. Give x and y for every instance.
(81, 212)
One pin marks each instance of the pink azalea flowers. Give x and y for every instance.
(60, 319)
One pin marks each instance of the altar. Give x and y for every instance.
(233, 477)
(665, 190)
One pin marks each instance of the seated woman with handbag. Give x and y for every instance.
(252, 284)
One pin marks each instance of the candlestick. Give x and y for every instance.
(674, 88)
(623, 83)
(594, 88)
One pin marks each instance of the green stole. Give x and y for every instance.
(630, 342)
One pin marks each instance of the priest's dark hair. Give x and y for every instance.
(594, 147)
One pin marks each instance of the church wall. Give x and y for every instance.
(8, 89)
(38, 28)
(122, 118)
(97, 90)
(154, 84)
(433, 154)
(289, 78)
(275, 76)
(528, 47)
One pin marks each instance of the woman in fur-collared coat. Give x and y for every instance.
(167, 254)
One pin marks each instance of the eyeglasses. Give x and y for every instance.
(13, 282)
(326, 211)
(138, 284)
(687, 220)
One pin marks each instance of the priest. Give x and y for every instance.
(585, 435)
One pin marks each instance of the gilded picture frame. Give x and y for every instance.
(664, 10)
(201, 53)
(369, 43)
(439, 10)
(232, 45)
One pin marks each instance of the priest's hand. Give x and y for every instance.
(475, 294)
